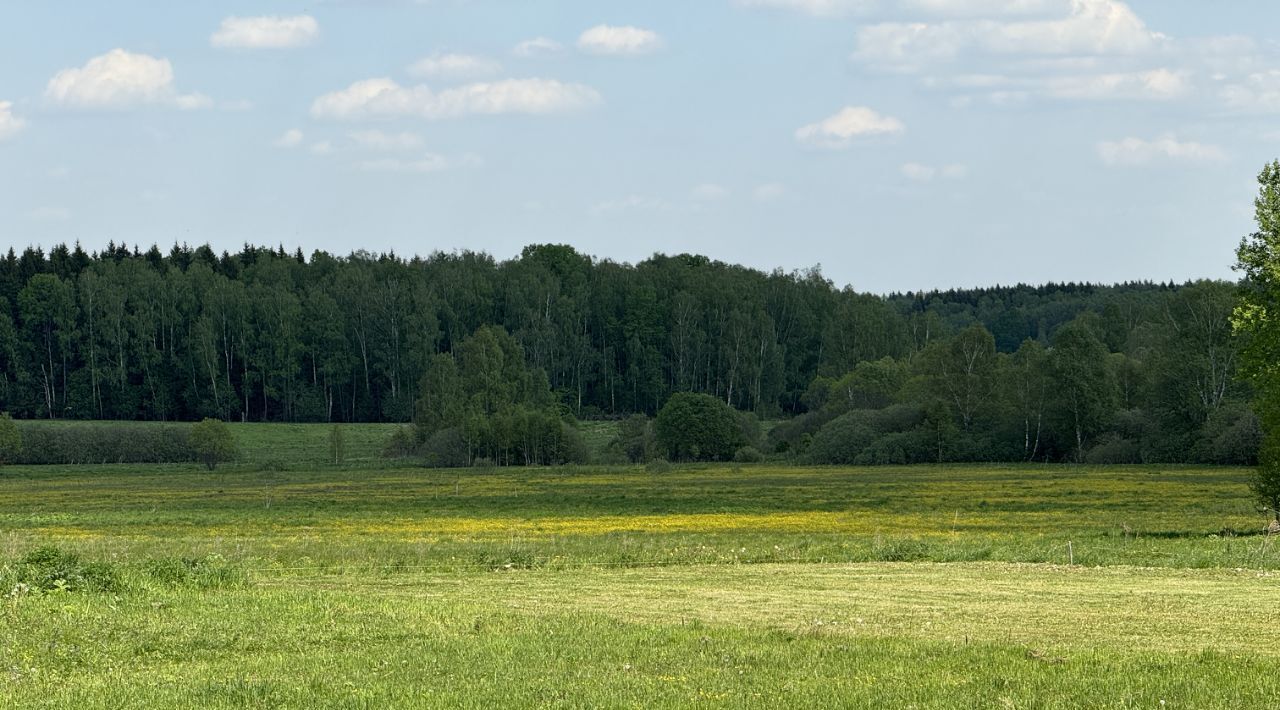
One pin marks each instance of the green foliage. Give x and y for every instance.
(698, 427)
(52, 568)
(96, 443)
(401, 444)
(504, 411)
(1265, 482)
(1085, 394)
(212, 443)
(10, 440)
(748, 454)
(635, 439)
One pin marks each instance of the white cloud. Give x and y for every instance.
(120, 79)
(1258, 92)
(384, 98)
(985, 8)
(925, 8)
(10, 125)
(266, 32)
(709, 192)
(537, 47)
(926, 173)
(818, 8)
(630, 203)
(454, 66)
(291, 138)
(1158, 84)
(321, 147)
(769, 192)
(627, 40)
(1155, 85)
(1101, 27)
(378, 140)
(1137, 151)
(839, 131)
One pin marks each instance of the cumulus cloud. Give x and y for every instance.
(927, 173)
(10, 125)
(1137, 151)
(626, 40)
(839, 131)
(321, 147)
(120, 79)
(454, 66)
(388, 142)
(384, 98)
(1102, 27)
(291, 138)
(537, 47)
(265, 32)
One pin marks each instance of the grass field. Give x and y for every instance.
(370, 586)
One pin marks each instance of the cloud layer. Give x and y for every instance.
(1138, 151)
(384, 98)
(454, 66)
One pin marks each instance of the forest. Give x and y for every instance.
(1139, 372)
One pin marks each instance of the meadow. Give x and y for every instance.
(283, 581)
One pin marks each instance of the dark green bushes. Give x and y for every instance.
(698, 427)
(51, 568)
(98, 443)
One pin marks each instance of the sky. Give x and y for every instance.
(899, 144)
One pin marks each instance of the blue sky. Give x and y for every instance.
(901, 144)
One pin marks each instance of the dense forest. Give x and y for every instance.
(1140, 371)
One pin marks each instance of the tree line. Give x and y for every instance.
(267, 335)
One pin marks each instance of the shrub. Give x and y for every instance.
(51, 568)
(210, 572)
(658, 466)
(748, 454)
(10, 439)
(635, 439)
(446, 448)
(400, 444)
(1115, 450)
(698, 427)
(95, 443)
(212, 443)
(844, 439)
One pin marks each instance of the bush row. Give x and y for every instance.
(92, 443)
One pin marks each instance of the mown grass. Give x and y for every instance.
(720, 586)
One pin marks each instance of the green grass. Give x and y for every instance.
(756, 586)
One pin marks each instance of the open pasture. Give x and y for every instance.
(710, 586)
